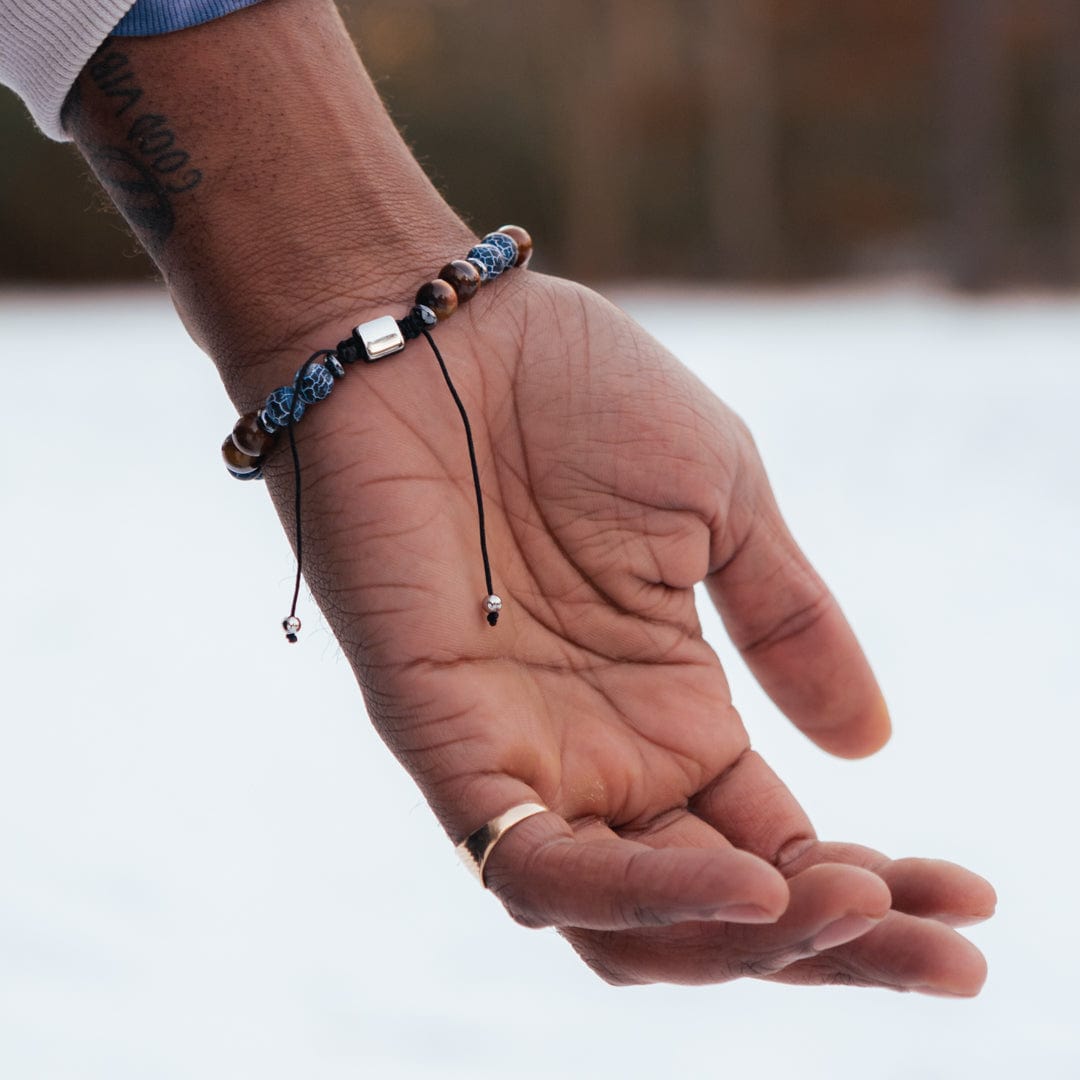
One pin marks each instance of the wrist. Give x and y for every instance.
(259, 320)
(301, 211)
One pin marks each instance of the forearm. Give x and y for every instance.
(253, 159)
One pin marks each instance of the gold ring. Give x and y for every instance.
(475, 849)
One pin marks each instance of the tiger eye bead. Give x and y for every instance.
(463, 277)
(236, 461)
(249, 438)
(523, 241)
(438, 295)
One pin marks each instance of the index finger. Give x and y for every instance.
(793, 635)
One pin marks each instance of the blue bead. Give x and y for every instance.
(489, 260)
(255, 474)
(279, 407)
(316, 383)
(506, 246)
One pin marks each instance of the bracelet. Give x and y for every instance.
(253, 437)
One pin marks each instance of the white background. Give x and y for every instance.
(211, 868)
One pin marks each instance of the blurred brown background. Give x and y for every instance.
(746, 140)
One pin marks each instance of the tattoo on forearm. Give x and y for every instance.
(144, 172)
(149, 134)
(112, 75)
(137, 192)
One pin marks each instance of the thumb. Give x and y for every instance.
(793, 635)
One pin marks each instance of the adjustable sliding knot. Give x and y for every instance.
(349, 351)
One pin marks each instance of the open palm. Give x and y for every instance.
(614, 482)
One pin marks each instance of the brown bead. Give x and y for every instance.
(463, 277)
(438, 295)
(236, 459)
(249, 438)
(523, 241)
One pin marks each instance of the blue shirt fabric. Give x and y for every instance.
(150, 17)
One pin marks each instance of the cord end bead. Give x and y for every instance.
(290, 625)
(492, 605)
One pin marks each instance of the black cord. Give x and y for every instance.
(291, 623)
(493, 616)
(290, 633)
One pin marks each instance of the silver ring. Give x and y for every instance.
(475, 849)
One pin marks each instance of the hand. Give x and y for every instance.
(614, 482)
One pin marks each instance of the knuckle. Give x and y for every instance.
(637, 915)
(798, 621)
(759, 967)
(526, 917)
(519, 904)
(518, 885)
(754, 959)
(624, 905)
(838, 978)
(602, 952)
(831, 973)
(611, 975)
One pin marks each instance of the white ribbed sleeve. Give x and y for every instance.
(44, 44)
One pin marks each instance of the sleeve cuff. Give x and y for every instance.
(150, 17)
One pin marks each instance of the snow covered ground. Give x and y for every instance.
(211, 869)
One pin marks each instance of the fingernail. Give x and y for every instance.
(743, 913)
(846, 929)
(936, 991)
(792, 850)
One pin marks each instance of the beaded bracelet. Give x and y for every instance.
(255, 433)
